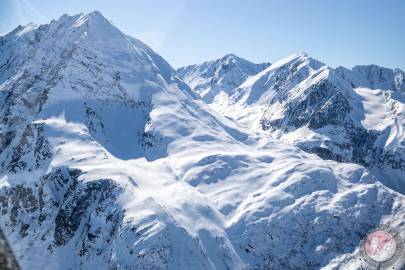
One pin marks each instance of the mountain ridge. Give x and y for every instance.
(303, 101)
(222, 74)
(110, 161)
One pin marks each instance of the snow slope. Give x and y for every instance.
(219, 77)
(109, 161)
(328, 112)
(374, 77)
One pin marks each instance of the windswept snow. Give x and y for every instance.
(218, 77)
(108, 160)
(340, 114)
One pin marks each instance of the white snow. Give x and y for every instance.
(199, 191)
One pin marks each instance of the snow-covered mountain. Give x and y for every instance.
(347, 116)
(109, 161)
(374, 77)
(218, 77)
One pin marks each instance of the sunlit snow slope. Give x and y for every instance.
(109, 161)
(339, 114)
(215, 79)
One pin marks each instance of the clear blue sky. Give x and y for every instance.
(341, 32)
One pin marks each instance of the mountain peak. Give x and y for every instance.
(94, 18)
(224, 74)
(303, 54)
(297, 61)
(96, 13)
(94, 125)
(374, 77)
(233, 58)
(230, 56)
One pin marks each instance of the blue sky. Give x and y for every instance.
(344, 32)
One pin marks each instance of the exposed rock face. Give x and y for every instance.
(30, 152)
(109, 161)
(328, 112)
(374, 77)
(80, 116)
(60, 203)
(212, 78)
(7, 258)
(324, 105)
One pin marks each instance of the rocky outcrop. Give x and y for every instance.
(108, 161)
(7, 258)
(374, 77)
(209, 79)
(60, 203)
(317, 108)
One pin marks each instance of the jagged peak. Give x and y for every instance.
(234, 58)
(225, 57)
(21, 30)
(374, 77)
(96, 13)
(301, 54)
(294, 61)
(230, 55)
(369, 67)
(94, 17)
(218, 61)
(93, 21)
(91, 31)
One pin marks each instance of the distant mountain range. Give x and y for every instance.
(339, 114)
